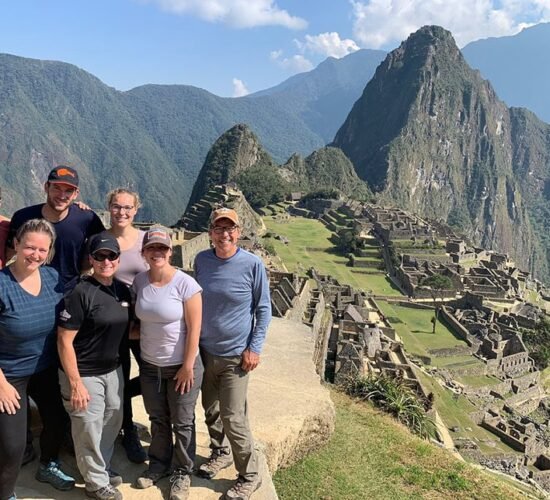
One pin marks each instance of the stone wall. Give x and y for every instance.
(184, 255)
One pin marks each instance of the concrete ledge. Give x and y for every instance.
(290, 411)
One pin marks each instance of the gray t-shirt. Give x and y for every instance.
(131, 262)
(160, 309)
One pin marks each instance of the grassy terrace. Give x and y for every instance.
(372, 456)
(310, 245)
(455, 412)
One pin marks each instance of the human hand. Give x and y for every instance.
(9, 398)
(184, 378)
(250, 360)
(82, 205)
(79, 396)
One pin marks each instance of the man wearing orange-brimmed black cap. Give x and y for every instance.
(73, 225)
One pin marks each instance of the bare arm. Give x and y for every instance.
(193, 319)
(9, 397)
(67, 356)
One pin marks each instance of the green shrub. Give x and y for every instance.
(392, 396)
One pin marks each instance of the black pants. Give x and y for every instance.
(43, 388)
(131, 387)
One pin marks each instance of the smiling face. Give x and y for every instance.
(157, 255)
(59, 196)
(33, 250)
(105, 263)
(123, 210)
(224, 235)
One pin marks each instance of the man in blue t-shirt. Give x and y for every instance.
(73, 225)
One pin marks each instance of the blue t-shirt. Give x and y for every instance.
(28, 324)
(236, 305)
(72, 233)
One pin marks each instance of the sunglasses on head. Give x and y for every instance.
(101, 257)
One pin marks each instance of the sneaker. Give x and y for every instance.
(180, 484)
(132, 445)
(29, 454)
(106, 493)
(242, 489)
(115, 479)
(13, 497)
(217, 461)
(148, 478)
(51, 473)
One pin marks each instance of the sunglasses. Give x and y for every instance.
(101, 257)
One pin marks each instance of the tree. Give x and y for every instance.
(538, 343)
(437, 283)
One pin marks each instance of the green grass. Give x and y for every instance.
(310, 246)
(455, 412)
(415, 329)
(370, 455)
(478, 381)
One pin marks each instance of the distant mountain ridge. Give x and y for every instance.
(152, 138)
(429, 135)
(517, 66)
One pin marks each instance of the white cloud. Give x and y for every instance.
(236, 13)
(295, 64)
(239, 88)
(327, 44)
(385, 23)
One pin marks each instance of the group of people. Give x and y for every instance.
(76, 299)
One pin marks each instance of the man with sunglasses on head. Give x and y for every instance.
(92, 326)
(73, 225)
(236, 315)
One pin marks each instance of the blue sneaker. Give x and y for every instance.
(52, 474)
(13, 497)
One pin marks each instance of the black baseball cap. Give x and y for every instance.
(64, 175)
(103, 241)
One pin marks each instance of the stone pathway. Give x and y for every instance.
(290, 413)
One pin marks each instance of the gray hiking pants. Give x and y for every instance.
(95, 429)
(224, 392)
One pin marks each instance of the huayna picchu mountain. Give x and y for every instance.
(430, 135)
(239, 157)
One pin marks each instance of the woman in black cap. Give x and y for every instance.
(91, 328)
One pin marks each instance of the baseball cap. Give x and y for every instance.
(157, 235)
(103, 241)
(224, 213)
(64, 175)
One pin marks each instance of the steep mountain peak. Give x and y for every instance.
(236, 150)
(429, 135)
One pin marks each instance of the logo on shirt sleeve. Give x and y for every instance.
(64, 315)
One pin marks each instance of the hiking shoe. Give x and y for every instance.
(132, 445)
(29, 454)
(216, 462)
(51, 473)
(180, 484)
(106, 493)
(115, 479)
(242, 489)
(148, 479)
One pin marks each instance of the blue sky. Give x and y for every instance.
(232, 47)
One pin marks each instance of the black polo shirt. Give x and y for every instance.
(101, 315)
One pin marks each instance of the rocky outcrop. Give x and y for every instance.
(326, 168)
(431, 136)
(235, 151)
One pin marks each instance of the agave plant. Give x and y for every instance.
(391, 395)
